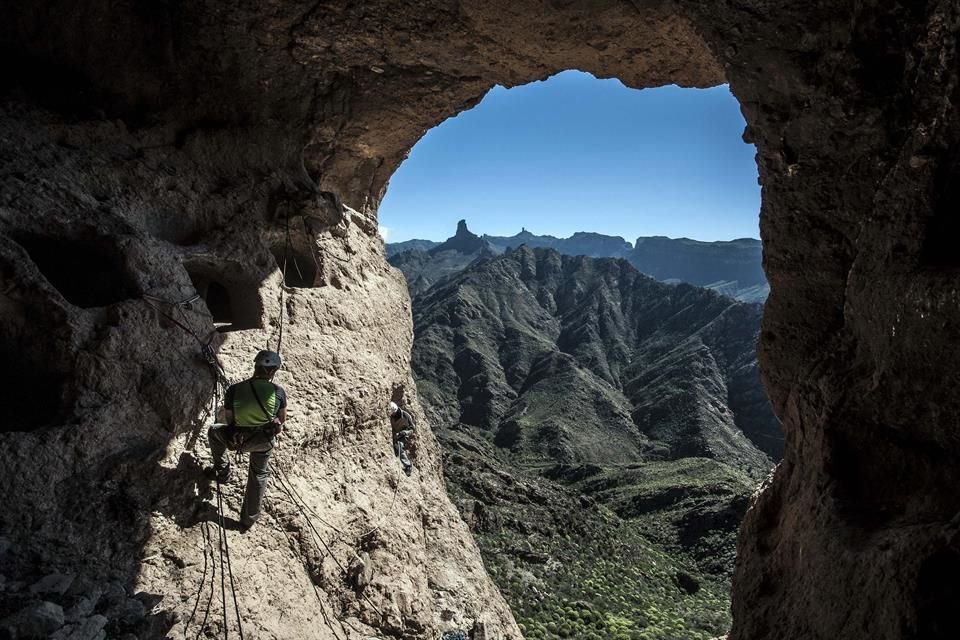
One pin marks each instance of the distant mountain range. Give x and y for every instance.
(580, 360)
(734, 268)
(602, 431)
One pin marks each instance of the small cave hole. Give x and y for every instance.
(87, 274)
(937, 594)
(233, 304)
(299, 269)
(33, 390)
(218, 301)
(943, 227)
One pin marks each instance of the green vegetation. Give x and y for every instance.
(571, 566)
(615, 585)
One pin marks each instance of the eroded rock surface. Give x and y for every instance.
(162, 149)
(110, 235)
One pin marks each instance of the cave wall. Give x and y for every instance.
(185, 142)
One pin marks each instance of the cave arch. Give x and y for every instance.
(847, 162)
(852, 107)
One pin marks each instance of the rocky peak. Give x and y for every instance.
(464, 241)
(733, 268)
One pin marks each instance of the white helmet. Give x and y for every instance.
(393, 408)
(267, 360)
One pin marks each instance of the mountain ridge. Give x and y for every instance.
(731, 267)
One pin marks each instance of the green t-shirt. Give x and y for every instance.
(247, 412)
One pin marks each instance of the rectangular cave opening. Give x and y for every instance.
(299, 268)
(234, 304)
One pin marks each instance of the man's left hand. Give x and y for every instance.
(277, 426)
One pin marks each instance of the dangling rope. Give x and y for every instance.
(283, 283)
(223, 584)
(225, 553)
(213, 580)
(204, 532)
(221, 382)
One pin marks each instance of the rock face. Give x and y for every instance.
(732, 268)
(162, 148)
(122, 258)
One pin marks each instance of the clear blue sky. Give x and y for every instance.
(574, 153)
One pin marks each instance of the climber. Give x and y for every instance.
(403, 427)
(254, 412)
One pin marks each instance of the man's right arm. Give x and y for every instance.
(281, 416)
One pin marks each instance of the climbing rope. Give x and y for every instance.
(302, 507)
(213, 580)
(313, 242)
(283, 283)
(203, 581)
(186, 302)
(221, 382)
(223, 585)
(225, 553)
(288, 489)
(396, 490)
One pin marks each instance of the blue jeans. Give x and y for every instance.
(399, 447)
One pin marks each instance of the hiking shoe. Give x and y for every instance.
(223, 476)
(408, 469)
